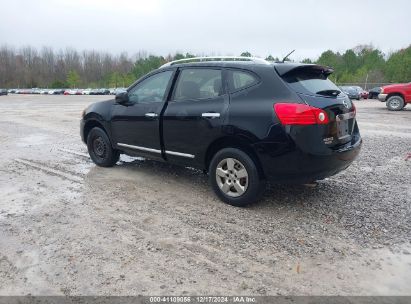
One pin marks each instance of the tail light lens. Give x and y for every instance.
(300, 114)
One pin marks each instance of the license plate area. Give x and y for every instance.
(345, 126)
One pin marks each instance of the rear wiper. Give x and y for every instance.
(329, 92)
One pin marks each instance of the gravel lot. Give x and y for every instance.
(69, 227)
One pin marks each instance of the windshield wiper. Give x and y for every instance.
(331, 92)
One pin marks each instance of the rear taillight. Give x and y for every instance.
(300, 114)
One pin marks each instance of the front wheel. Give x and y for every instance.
(395, 103)
(100, 149)
(234, 177)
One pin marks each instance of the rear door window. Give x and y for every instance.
(239, 80)
(198, 83)
(312, 82)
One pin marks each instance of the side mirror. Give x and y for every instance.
(122, 98)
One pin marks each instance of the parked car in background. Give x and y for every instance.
(87, 91)
(243, 121)
(363, 94)
(104, 91)
(396, 96)
(73, 92)
(56, 92)
(119, 90)
(351, 92)
(373, 93)
(94, 92)
(3, 92)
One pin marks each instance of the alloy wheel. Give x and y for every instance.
(232, 177)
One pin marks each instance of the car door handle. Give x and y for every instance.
(210, 115)
(151, 115)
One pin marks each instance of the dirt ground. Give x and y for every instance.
(69, 227)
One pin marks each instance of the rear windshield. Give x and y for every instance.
(312, 82)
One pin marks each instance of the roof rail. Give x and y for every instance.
(216, 58)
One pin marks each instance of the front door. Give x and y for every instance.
(136, 126)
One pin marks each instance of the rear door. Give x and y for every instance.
(194, 114)
(136, 126)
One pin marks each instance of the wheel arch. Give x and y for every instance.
(396, 94)
(232, 142)
(90, 124)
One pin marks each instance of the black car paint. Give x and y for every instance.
(285, 153)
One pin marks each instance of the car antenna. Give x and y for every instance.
(287, 56)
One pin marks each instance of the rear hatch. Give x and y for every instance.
(312, 85)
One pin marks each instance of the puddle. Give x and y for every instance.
(129, 159)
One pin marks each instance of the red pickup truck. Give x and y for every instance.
(396, 96)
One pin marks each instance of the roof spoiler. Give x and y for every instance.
(283, 69)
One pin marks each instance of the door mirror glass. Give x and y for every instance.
(122, 98)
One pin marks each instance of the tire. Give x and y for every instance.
(100, 149)
(227, 185)
(395, 103)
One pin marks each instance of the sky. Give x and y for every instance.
(207, 27)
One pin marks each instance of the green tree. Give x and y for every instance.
(245, 54)
(145, 65)
(271, 58)
(58, 84)
(398, 66)
(73, 79)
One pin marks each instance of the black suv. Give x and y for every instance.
(242, 120)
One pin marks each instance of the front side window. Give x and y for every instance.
(198, 84)
(151, 89)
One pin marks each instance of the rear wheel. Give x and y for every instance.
(234, 177)
(100, 149)
(395, 103)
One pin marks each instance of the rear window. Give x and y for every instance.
(198, 83)
(239, 80)
(311, 81)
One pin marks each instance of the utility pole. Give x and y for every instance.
(366, 80)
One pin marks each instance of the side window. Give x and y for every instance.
(151, 89)
(198, 83)
(240, 80)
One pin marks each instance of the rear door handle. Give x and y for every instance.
(151, 115)
(210, 115)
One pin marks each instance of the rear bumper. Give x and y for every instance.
(382, 97)
(298, 167)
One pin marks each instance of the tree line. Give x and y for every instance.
(28, 67)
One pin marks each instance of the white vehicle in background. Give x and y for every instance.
(119, 90)
(87, 91)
